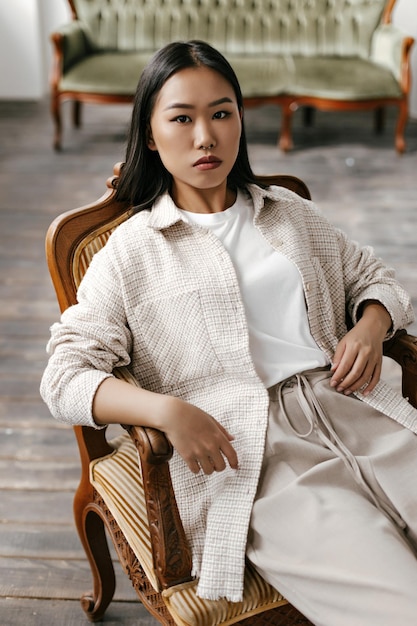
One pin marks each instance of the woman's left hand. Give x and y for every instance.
(357, 361)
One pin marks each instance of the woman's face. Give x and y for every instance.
(195, 128)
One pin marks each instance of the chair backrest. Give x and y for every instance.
(75, 236)
(307, 27)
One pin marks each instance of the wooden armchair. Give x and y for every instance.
(135, 500)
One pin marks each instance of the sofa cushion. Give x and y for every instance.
(108, 72)
(341, 79)
(322, 77)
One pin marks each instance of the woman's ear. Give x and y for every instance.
(151, 145)
(149, 141)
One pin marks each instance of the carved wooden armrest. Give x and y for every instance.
(402, 348)
(171, 553)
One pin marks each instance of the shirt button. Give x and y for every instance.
(277, 243)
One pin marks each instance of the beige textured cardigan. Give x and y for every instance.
(163, 297)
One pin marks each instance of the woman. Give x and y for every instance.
(228, 302)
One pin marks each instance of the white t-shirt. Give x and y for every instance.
(279, 336)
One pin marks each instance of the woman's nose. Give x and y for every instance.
(204, 137)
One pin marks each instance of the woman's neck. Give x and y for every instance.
(203, 200)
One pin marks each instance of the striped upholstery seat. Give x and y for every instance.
(117, 479)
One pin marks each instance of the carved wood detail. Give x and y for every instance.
(149, 597)
(171, 553)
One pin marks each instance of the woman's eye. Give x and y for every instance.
(220, 115)
(182, 119)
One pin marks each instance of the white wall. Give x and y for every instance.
(21, 64)
(25, 48)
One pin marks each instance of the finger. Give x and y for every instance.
(345, 379)
(342, 368)
(206, 464)
(229, 436)
(338, 355)
(194, 465)
(219, 464)
(374, 380)
(231, 456)
(353, 382)
(354, 367)
(219, 457)
(370, 386)
(340, 374)
(366, 380)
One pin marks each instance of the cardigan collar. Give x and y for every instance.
(165, 213)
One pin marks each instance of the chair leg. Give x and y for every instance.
(285, 140)
(56, 116)
(91, 530)
(76, 113)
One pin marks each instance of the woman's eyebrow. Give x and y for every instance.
(183, 105)
(220, 101)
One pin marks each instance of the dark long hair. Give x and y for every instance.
(143, 177)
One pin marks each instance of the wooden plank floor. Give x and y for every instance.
(356, 178)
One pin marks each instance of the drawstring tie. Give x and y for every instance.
(319, 423)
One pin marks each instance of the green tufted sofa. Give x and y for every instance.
(327, 54)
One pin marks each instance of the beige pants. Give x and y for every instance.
(334, 524)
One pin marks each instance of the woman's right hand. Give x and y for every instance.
(201, 440)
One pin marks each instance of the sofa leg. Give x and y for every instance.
(379, 120)
(308, 116)
(56, 116)
(76, 113)
(400, 129)
(285, 140)
(93, 537)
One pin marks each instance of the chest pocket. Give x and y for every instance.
(174, 338)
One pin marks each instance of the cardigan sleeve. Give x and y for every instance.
(366, 277)
(91, 339)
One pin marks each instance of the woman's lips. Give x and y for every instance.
(207, 163)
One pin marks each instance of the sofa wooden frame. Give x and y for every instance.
(288, 102)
